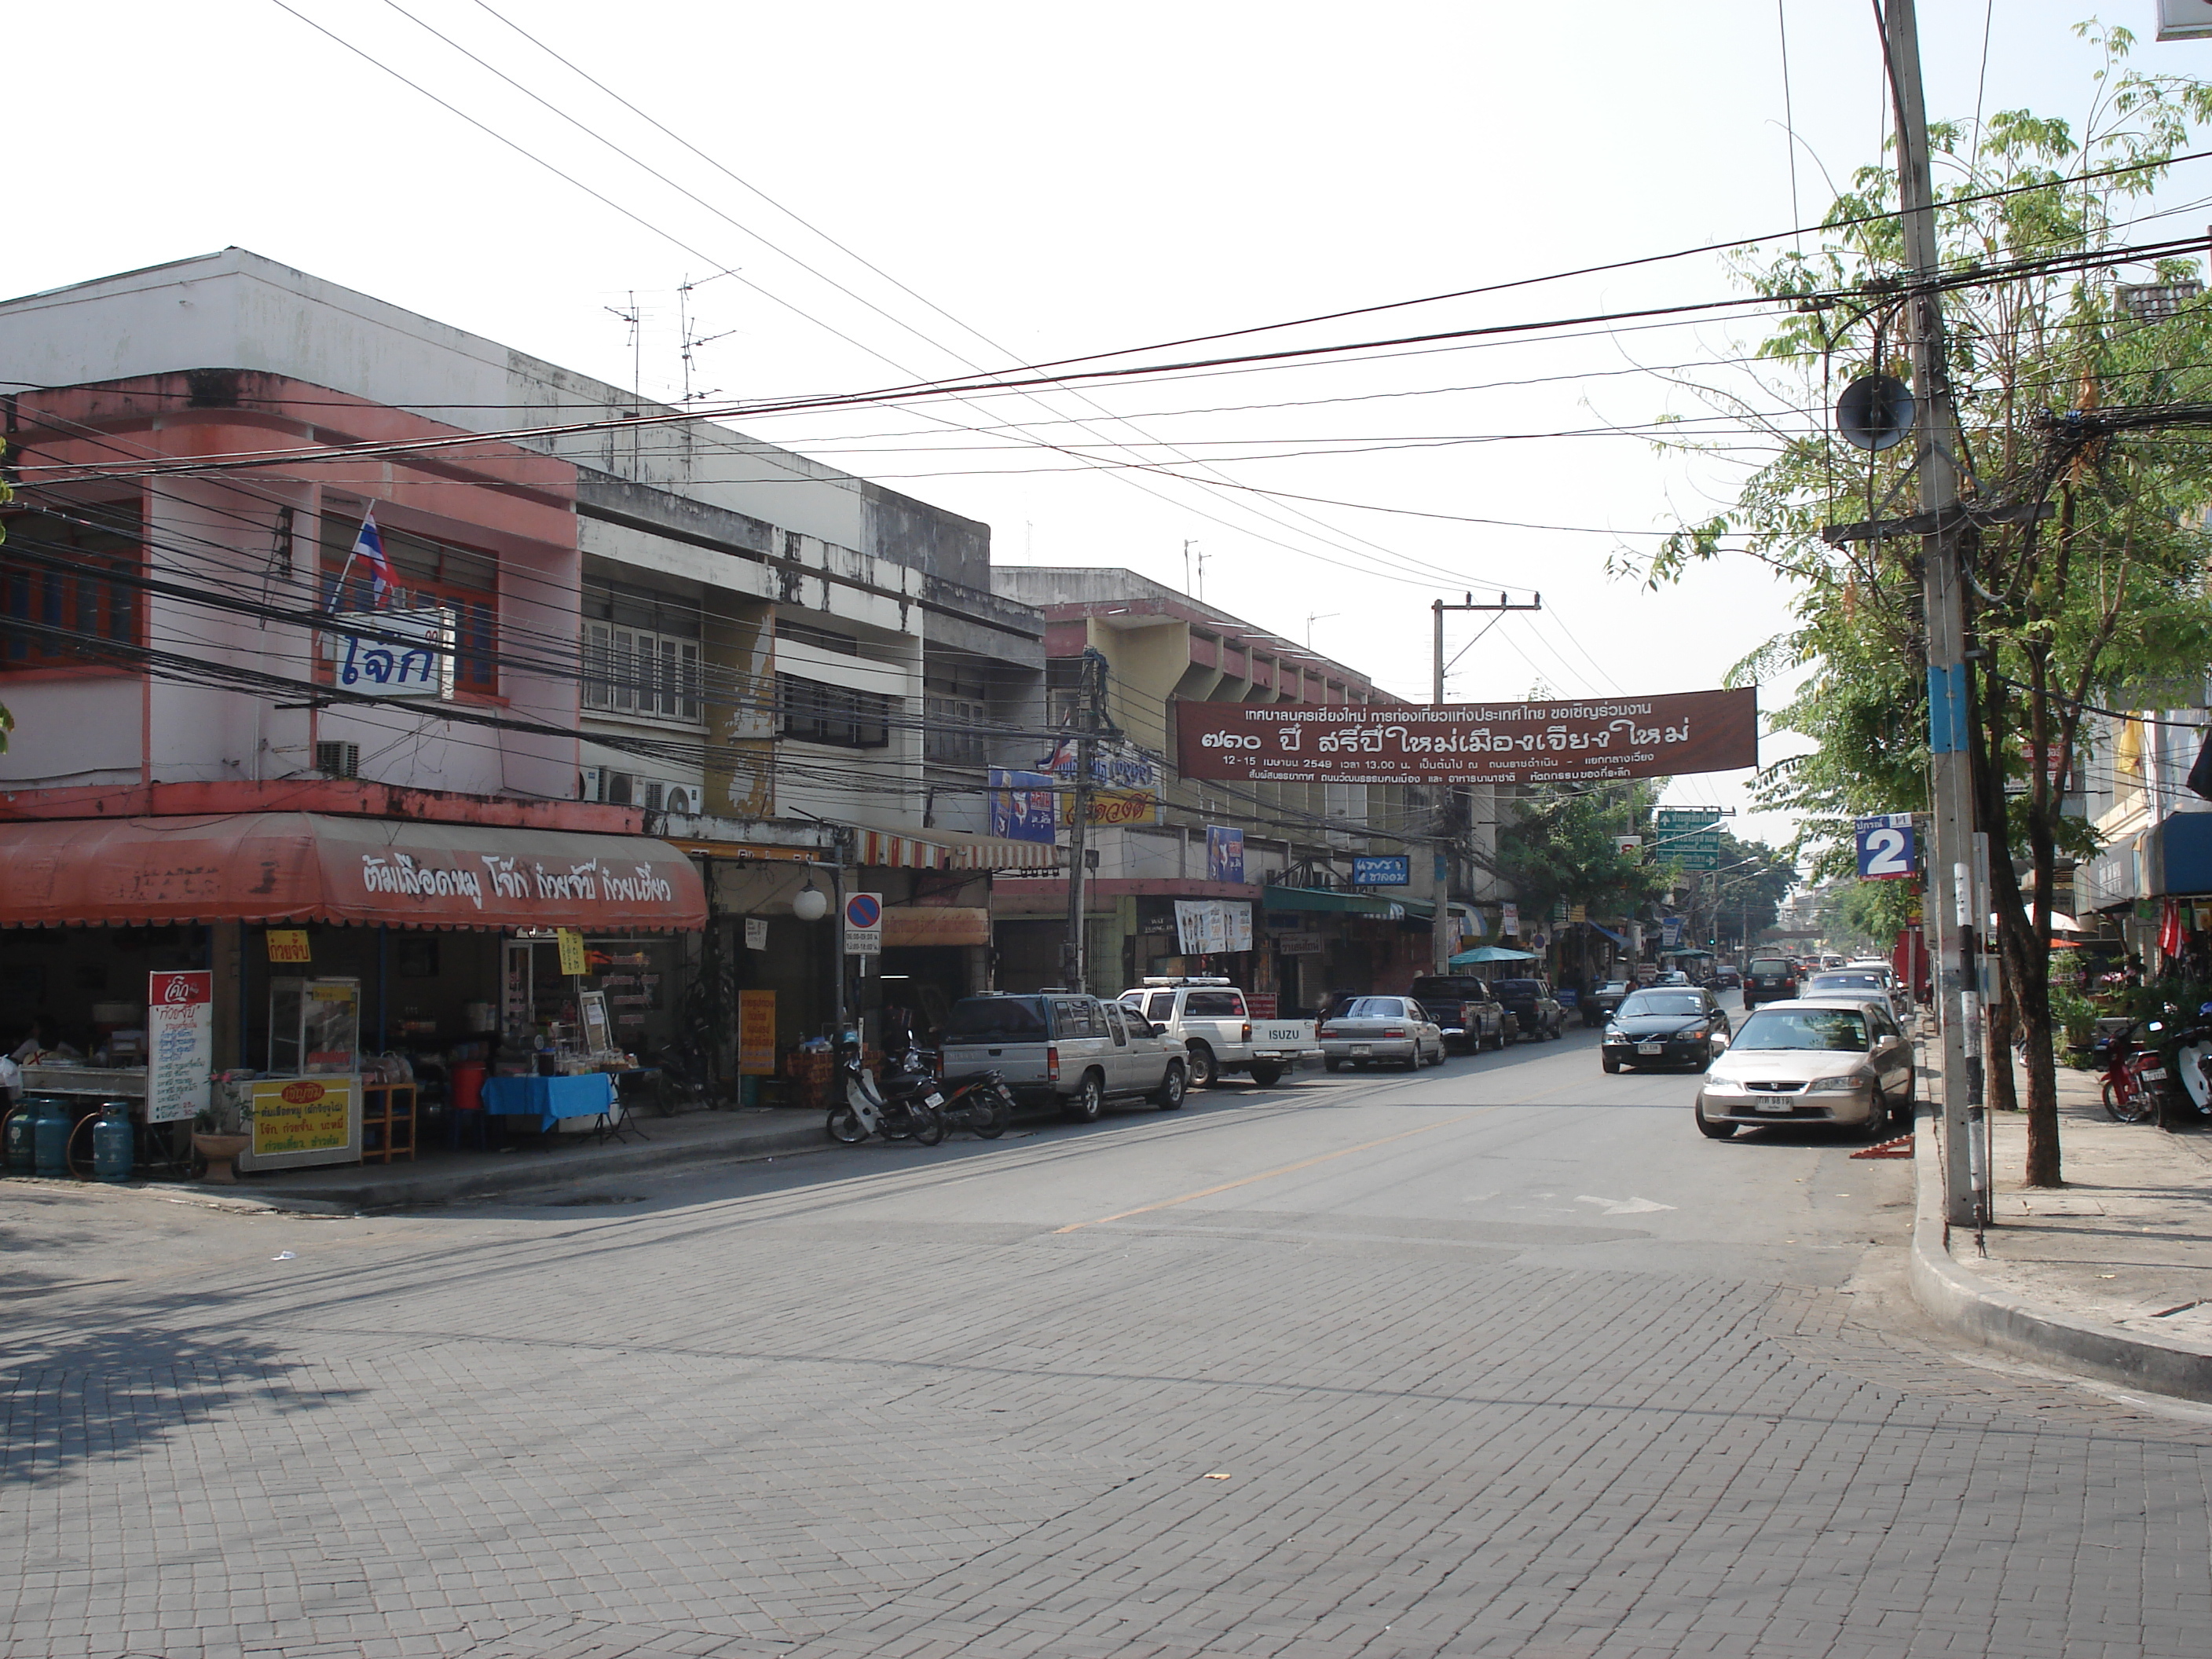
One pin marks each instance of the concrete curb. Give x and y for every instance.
(1958, 1300)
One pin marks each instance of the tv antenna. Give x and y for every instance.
(636, 342)
(692, 342)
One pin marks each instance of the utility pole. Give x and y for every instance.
(1950, 796)
(1439, 882)
(1089, 723)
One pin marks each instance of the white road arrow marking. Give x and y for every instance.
(1624, 1205)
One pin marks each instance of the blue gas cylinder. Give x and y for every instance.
(50, 1133)
(111, 1143)
(21, 1156)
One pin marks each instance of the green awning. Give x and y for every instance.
(1490, 953)
(1358, 904)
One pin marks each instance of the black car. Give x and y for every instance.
(1533, 1006)
(1769, 979)
(1666, 1025)
(1462, 1006)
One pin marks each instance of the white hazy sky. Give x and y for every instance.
(1066, 181)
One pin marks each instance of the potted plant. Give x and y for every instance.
(223, 1128)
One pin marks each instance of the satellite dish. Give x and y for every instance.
(1876, 411)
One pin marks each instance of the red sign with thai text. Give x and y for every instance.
(1636, 737)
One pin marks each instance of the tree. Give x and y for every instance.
(2032, 221)
(1743, 897)
(1561, 848)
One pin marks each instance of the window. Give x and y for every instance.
(956, 707)
(811, 712)
(641, 653)
(1072, 1018)
(1213, 1004)
(430, 572)
(56, 582)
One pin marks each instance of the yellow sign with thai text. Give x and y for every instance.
(288, 944)
(756, 1033)
(302, 1114)
(572, 953)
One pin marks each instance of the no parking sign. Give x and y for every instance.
(863, 924)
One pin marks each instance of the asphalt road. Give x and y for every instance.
(1501, 1359)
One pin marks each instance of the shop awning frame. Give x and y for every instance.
(1276, 897)
(289, 867)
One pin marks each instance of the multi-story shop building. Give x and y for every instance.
(1311, 928)
(669, 676)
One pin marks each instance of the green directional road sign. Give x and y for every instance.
(1687, 838)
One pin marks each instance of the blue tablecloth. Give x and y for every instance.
(548, 1099)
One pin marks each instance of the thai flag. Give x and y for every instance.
(368, 548)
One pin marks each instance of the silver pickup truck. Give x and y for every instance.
(1214, 1024)
(1055, 1048)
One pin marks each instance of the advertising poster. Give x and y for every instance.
(179, 1044)
(302, 1114)
(1667, 735)
(1225, 854)
(1021, 805)
(756, 1033)
(1211, 928)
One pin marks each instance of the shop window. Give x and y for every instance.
(64, 596)
(457, 579)
(811, 712)
(641, 653)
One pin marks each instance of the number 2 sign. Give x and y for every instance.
(1886, 848)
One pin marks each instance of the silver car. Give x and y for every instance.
(1381, 1031)
(1858, 984)
(1835, 1060)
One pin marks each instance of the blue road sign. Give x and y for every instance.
(1382, 871)
(1887, 847)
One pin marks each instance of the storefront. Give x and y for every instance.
(437, 940)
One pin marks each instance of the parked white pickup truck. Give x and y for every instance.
(1211, 1019)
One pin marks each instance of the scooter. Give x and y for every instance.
(2186, 1102)
(904, 1114)
(978, 1101)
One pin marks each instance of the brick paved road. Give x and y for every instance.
(1503, 1360)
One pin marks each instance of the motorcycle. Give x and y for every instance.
(908, 1111)
(978, 1101)
(2135, 1086)
(2187, 1100)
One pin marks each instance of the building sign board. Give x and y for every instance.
(391, 654)
(1556, 742)
(1382, 871)
(756, 1033)
(179, 1044)
(1021, 805)
(288, 944)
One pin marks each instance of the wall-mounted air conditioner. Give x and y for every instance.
(338, 760)
(681, 798)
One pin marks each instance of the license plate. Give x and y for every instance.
(1773, 1103)
(934, 1098)
(1650, 1047)
(1363, 1049)
(2153, 1074)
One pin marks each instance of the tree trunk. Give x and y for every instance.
(2031, 975)
(2003, 1016)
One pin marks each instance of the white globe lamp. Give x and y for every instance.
(810, 902)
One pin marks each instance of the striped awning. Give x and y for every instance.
(952, 850)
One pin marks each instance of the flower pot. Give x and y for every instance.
(219, 1150)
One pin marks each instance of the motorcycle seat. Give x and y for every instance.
(906, 1082)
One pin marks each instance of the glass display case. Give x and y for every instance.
(314, 1027)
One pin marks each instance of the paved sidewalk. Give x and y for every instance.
(2112, 1274)
(439, 1175)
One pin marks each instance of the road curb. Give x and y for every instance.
(1957, 1300)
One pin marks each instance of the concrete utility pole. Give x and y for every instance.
(1439, 870)
(1952, 891)
(1090, 722)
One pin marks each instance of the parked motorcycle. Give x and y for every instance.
(978, 1101)
(2186, 1101)
(909, 1111)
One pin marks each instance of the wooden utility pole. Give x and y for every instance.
(1954, 891)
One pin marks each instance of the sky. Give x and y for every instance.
(861, 196)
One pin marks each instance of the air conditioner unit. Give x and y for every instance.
(652, 796)
(338, 760)
(681, 798)
(618, 789)
(589, 787)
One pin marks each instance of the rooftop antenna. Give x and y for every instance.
(636, 344)
(692, 340)
(1188, 544)
(1313, 616)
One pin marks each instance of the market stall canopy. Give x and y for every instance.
(307, 866)
(1490, 953)
(1622, 939)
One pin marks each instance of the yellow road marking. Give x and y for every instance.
(1288, 1169)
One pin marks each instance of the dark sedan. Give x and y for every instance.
(1668, 1025)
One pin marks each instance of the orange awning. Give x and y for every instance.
(307, 866)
